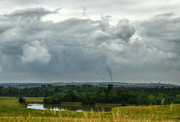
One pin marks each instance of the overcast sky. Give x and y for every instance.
(88, 40)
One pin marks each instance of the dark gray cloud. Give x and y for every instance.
(29, 14)
(123, 30)
(164, 27)
(85, 50)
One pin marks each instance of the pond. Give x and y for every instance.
(78, 108)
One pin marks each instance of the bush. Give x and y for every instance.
(52, 100)
(22, 100)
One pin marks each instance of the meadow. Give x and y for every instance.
(11, 110)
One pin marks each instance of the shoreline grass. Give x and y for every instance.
(11, 110)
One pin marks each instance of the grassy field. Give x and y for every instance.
(11, 110)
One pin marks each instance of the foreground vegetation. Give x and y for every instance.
(12, 110)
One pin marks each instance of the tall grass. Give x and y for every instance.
(114, 116)
(12, 111)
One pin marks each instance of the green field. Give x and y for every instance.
(11, 110)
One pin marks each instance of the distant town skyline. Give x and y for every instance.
(118, 40)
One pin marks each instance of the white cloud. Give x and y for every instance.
(35, 52)
(123, 30)
(100, 35)
(171, 55)
(112, 47)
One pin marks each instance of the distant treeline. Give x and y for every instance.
(87, 94)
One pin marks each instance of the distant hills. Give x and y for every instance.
(95, 84)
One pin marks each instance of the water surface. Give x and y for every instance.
(78, 108)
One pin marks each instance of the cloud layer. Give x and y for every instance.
(35, 53)
(88, 50)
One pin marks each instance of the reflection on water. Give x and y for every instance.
(79, 108)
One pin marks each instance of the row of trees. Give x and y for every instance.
(87, 94)
(121, 96)
(86, 98)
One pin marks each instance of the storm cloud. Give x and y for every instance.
(76, 49)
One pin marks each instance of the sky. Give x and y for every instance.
(80, 40)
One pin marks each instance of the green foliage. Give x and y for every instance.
(107, 93)
(151, 99)
(22, 100)
(52, 100)
(88, 99)
(70, 97)
(88, 94)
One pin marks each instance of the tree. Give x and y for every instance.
(88, 99)
(70, 97)
(22, 100)
(47, 100)
(107, 92)
(152, 99)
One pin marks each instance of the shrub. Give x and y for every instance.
(22, 100)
